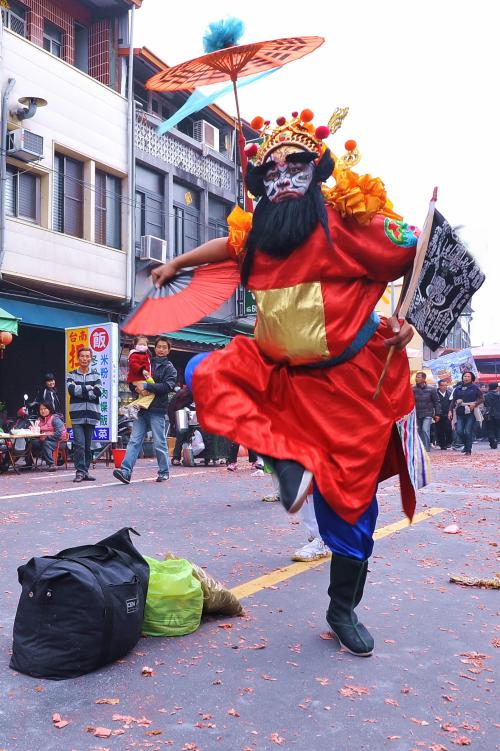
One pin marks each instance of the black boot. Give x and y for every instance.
(294, 481)
(347, 581)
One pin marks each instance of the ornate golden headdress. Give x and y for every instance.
(359, 196)
(295, 134)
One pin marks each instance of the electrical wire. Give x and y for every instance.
(73, 303)
(121, 199)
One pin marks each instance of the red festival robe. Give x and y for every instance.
(310, 307)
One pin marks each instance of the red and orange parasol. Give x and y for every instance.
(232, 63)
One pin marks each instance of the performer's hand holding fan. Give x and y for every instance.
(185, 299)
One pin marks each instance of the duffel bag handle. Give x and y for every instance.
(99, 552)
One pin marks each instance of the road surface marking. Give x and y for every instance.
(91, 486)
(282, 574)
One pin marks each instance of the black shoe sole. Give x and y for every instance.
(121, 478)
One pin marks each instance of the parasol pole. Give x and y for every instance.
(247, 203)
(410, 283)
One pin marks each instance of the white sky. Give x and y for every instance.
(421, 82)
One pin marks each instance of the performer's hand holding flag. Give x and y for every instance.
(443, 280)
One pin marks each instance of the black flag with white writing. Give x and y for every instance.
(448, 279)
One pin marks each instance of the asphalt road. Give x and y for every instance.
(272, 678)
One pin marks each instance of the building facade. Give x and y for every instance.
(64, 250)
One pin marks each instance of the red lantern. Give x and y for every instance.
(5, 339)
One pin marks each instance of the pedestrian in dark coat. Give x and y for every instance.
(48, 393)
(443, 426)
(427, 407)
(492, 414)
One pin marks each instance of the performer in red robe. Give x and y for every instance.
(301, 392)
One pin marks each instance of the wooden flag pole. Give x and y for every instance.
(410, 284)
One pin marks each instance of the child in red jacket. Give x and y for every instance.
(139, 369)
(139, 361)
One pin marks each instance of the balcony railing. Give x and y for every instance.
(180, 151)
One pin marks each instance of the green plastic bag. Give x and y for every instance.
(175, 599)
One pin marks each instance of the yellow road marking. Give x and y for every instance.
(281, 574)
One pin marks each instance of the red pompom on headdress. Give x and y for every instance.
(322, 132)
(251, 150)
(298, 133)
(257, 123)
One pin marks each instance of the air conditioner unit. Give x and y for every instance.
(153, 249)
(206, 133)
(24, 145)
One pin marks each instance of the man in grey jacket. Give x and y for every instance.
(427, 407)
(84, 388)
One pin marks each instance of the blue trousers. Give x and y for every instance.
(349, 540)
(465, 429)
(155, 422)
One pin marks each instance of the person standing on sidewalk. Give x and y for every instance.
(427, 407)
(492, 414)
(443, 426)
(466, 397)
(155, 418)
(84, 388)
(48, 394)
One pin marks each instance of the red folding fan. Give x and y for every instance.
(185, 299)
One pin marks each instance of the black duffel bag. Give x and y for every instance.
(80, 609)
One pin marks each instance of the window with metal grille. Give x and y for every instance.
(68, 196)
(218, 211)
(149, 215)
(160, 108)
(22, 195)
(82, 47)
(107, 209)
(186, 229)
(14, 18)
(52, 39)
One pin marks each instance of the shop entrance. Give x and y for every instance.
(34, 352)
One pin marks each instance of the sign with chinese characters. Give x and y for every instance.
(103, 341)
(250, 307)
(448, 279)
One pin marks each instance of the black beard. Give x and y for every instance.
(279, 228)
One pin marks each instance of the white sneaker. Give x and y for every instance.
(313, 551)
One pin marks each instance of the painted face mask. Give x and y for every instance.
(287, 180)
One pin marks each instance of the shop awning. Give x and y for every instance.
(8, 322)
(200, 336)
(48, 316)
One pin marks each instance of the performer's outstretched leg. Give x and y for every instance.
(293, 480)
(351, 546)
